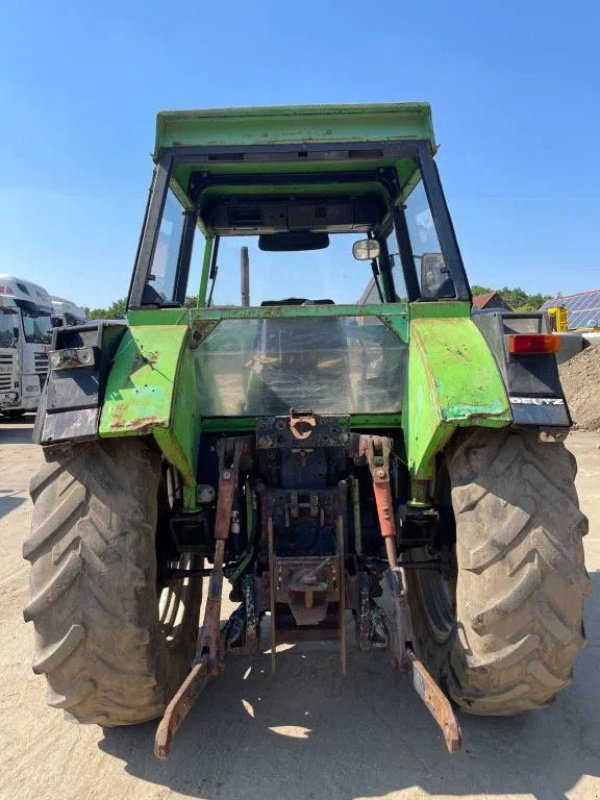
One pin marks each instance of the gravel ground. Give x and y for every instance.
(307, 732)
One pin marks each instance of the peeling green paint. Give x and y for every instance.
(139, 391)
(152, 390)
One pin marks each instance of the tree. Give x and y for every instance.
(475, 289)
(114, 311)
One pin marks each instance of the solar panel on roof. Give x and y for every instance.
(583, 309)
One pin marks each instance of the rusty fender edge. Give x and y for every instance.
(151, 390)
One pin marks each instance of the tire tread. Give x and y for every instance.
(93, 597)
(522, 578)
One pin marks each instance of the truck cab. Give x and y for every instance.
(25, 335)
(66, 314)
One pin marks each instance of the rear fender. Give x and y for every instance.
(453, 381)
(151, 390)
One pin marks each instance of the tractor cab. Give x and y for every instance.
(345, 233)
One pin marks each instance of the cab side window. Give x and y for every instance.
(163, 272)
(434, 276)
(395, 264)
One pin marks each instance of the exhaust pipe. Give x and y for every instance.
(245, 276)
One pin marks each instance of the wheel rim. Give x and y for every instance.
(438, 594)
(176, 598)
(178, 605)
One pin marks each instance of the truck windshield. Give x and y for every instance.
(37, 325)
(9, 331)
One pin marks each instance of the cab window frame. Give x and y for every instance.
(420, 151)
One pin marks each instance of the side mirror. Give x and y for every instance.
(436, 283)
(365, 249)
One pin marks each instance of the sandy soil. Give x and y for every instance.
(580, 377)
(307, 732)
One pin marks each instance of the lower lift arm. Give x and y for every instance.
(377, 450)
(208, 661)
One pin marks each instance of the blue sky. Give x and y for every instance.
(515, 90)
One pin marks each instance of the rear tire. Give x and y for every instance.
(110, 657)
(504, 637)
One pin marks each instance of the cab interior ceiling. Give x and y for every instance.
(237, 216)
(343, 197)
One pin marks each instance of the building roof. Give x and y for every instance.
(482, 300)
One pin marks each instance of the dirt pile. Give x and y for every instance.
(580, 378)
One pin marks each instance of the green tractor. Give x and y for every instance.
(325, 424)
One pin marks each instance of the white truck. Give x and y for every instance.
(25, 336)
(65, 313)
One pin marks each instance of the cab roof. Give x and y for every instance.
(239, 166)
(62, 306)
(264, 125)
(14, 288)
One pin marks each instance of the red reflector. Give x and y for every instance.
(523, 344)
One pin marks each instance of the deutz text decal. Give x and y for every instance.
(537, 401)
